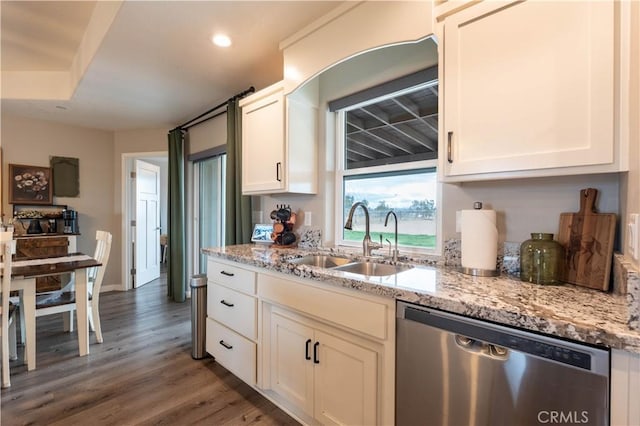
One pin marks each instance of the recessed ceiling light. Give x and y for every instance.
(221, 40)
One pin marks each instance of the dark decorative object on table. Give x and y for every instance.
(34, 227)
(283, 227)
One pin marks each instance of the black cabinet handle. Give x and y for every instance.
(315, 353)
(278, 167)
(229, 274)
(225, 303)
(449, 148)
(226, 345)
(306, 350)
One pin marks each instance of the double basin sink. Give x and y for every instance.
(335, 263)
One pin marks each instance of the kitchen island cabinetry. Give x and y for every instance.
(279, 141)
(551, 111)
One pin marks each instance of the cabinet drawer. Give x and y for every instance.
(236, 310)
(231, 276)
(36, 247)
(232, 351)
(356, 313)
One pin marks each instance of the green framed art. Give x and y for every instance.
(66, 176)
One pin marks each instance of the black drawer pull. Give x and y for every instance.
(315, 353)
(229, 274)
(306, 350)
(225, 303)
(226, 345)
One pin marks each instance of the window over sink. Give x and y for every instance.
(387, 149)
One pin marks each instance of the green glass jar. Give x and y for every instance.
(541, 259)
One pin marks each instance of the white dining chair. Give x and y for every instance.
(7, 312)
(64, 300)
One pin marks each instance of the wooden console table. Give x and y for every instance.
(37, 246)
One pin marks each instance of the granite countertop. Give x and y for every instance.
(566, 311)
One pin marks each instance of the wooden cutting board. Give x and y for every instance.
(587, 237)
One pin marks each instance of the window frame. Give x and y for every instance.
(341, 172)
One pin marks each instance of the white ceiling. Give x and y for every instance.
(154, 66)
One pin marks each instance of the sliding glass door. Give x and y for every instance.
(209, 202)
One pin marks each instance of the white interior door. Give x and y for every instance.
(147, 235)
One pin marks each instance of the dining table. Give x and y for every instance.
(23, 279)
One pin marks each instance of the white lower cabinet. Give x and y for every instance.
(320, 374)
(326, 355)
(625, 388)
(345, 379)
(232, 319)
(291, 366)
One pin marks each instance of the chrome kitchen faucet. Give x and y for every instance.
(367, 244)
(395, 233)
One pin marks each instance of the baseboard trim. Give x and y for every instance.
(111, 287)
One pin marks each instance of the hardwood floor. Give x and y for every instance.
(142, 374)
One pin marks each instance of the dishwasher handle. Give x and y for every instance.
(481, 348)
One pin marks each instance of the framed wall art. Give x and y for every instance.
(30, 184)
(66, 176)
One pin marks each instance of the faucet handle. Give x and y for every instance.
(376, 246)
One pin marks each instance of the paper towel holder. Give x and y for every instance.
(477, 272)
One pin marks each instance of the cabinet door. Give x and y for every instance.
(263, 144)
(528, 85)
(345, 382)
(291, 347)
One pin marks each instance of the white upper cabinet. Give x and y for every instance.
(263, 150)
(528, 89)
(279, 141)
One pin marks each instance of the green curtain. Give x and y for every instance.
(176, 279)
(238, 207)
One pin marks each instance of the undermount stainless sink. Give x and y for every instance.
(321, 260)
(372, 269)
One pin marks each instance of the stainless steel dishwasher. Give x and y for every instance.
(453, 370)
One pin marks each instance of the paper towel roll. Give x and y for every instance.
(479, 239)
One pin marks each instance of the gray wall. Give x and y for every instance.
(29, 141)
